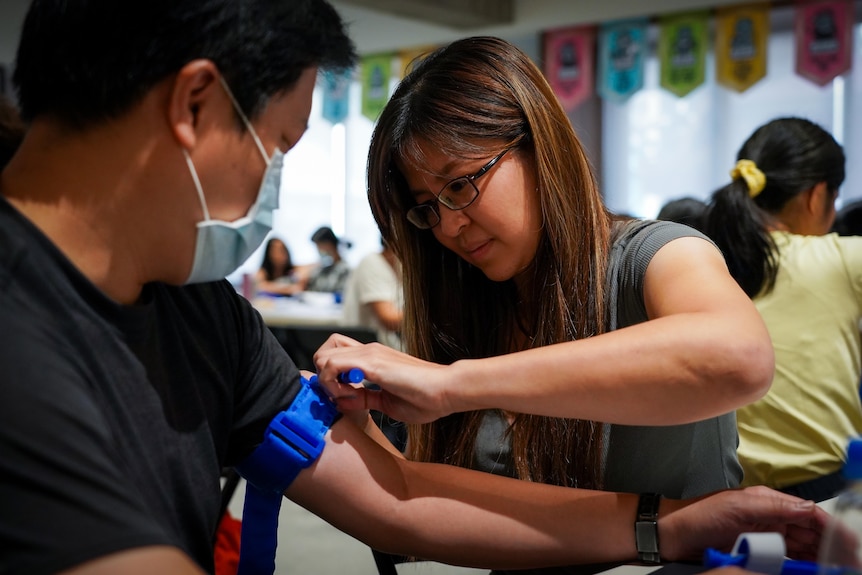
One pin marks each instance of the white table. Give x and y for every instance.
(303, 323)
(299, 311)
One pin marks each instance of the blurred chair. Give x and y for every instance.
(386, 562)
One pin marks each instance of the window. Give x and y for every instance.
(323, 184)
(658, 147)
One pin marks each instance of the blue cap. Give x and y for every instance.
(853, 465)
(353, 375)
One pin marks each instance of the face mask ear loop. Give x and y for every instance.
(197, 184)
(245, 120)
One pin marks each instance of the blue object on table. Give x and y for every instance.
(715, 558)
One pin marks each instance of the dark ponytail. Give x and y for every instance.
(793, 155)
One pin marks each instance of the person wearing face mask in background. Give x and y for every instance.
(332, 271)
(133, 373)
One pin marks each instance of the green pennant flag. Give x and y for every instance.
(376, 72)
(683, 43)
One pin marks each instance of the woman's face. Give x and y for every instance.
(499, 232)
(278, 254)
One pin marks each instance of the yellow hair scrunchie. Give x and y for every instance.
(754, 178)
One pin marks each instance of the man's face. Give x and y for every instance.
(238, 171)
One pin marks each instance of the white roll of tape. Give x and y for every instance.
(765, 551)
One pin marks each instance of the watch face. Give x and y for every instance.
(646, 528)
(646, 535)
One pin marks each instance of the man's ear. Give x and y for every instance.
(191, 91)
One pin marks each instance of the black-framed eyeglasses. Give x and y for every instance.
(455, 195)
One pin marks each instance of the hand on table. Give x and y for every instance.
(687, 527)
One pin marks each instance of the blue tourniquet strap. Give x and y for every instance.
(259, 531)
(293, 440)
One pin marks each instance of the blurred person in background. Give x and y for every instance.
(688, 211)
(373, 296)
(373, 299)
(772, 222)
(278, 275)
(332, 271)
(848, 220)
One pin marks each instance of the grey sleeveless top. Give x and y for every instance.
(678, 461)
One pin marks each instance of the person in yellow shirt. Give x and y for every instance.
(772, 222)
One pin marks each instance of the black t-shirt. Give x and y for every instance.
(116, 421)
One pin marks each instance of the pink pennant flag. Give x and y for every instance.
(569, 56)
(824, 39)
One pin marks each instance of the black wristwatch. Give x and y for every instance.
(646, 528)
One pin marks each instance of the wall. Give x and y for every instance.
(373, 31)
(376, 32)
(11, 16)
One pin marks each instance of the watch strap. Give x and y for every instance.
(646, 528)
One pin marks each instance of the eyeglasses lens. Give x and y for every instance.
(423, 216)
(458, 194)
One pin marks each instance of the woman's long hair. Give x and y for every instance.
(268, 265)
(470, 99)
(795, 155)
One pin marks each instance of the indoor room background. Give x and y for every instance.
(653, 147)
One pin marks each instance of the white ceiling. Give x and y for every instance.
(376, 30)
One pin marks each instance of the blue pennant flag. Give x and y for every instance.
(622, 51)
(336, 95)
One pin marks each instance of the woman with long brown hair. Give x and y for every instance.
(531, 313)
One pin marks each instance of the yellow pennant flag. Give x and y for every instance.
(742, 37)
(411, 56)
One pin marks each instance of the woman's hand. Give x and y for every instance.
(410, 389)
(687, 527)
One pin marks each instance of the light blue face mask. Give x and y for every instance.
(221, 247)
(326, 260)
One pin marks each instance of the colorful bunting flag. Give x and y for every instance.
(741, 45)
(824, 40)
(411, 57)
(376, 72)
(682, 47)
(336, 95)
(622, 51)
(569, 64)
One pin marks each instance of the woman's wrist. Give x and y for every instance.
(462, 387)
(667, 534)
(452, 397)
